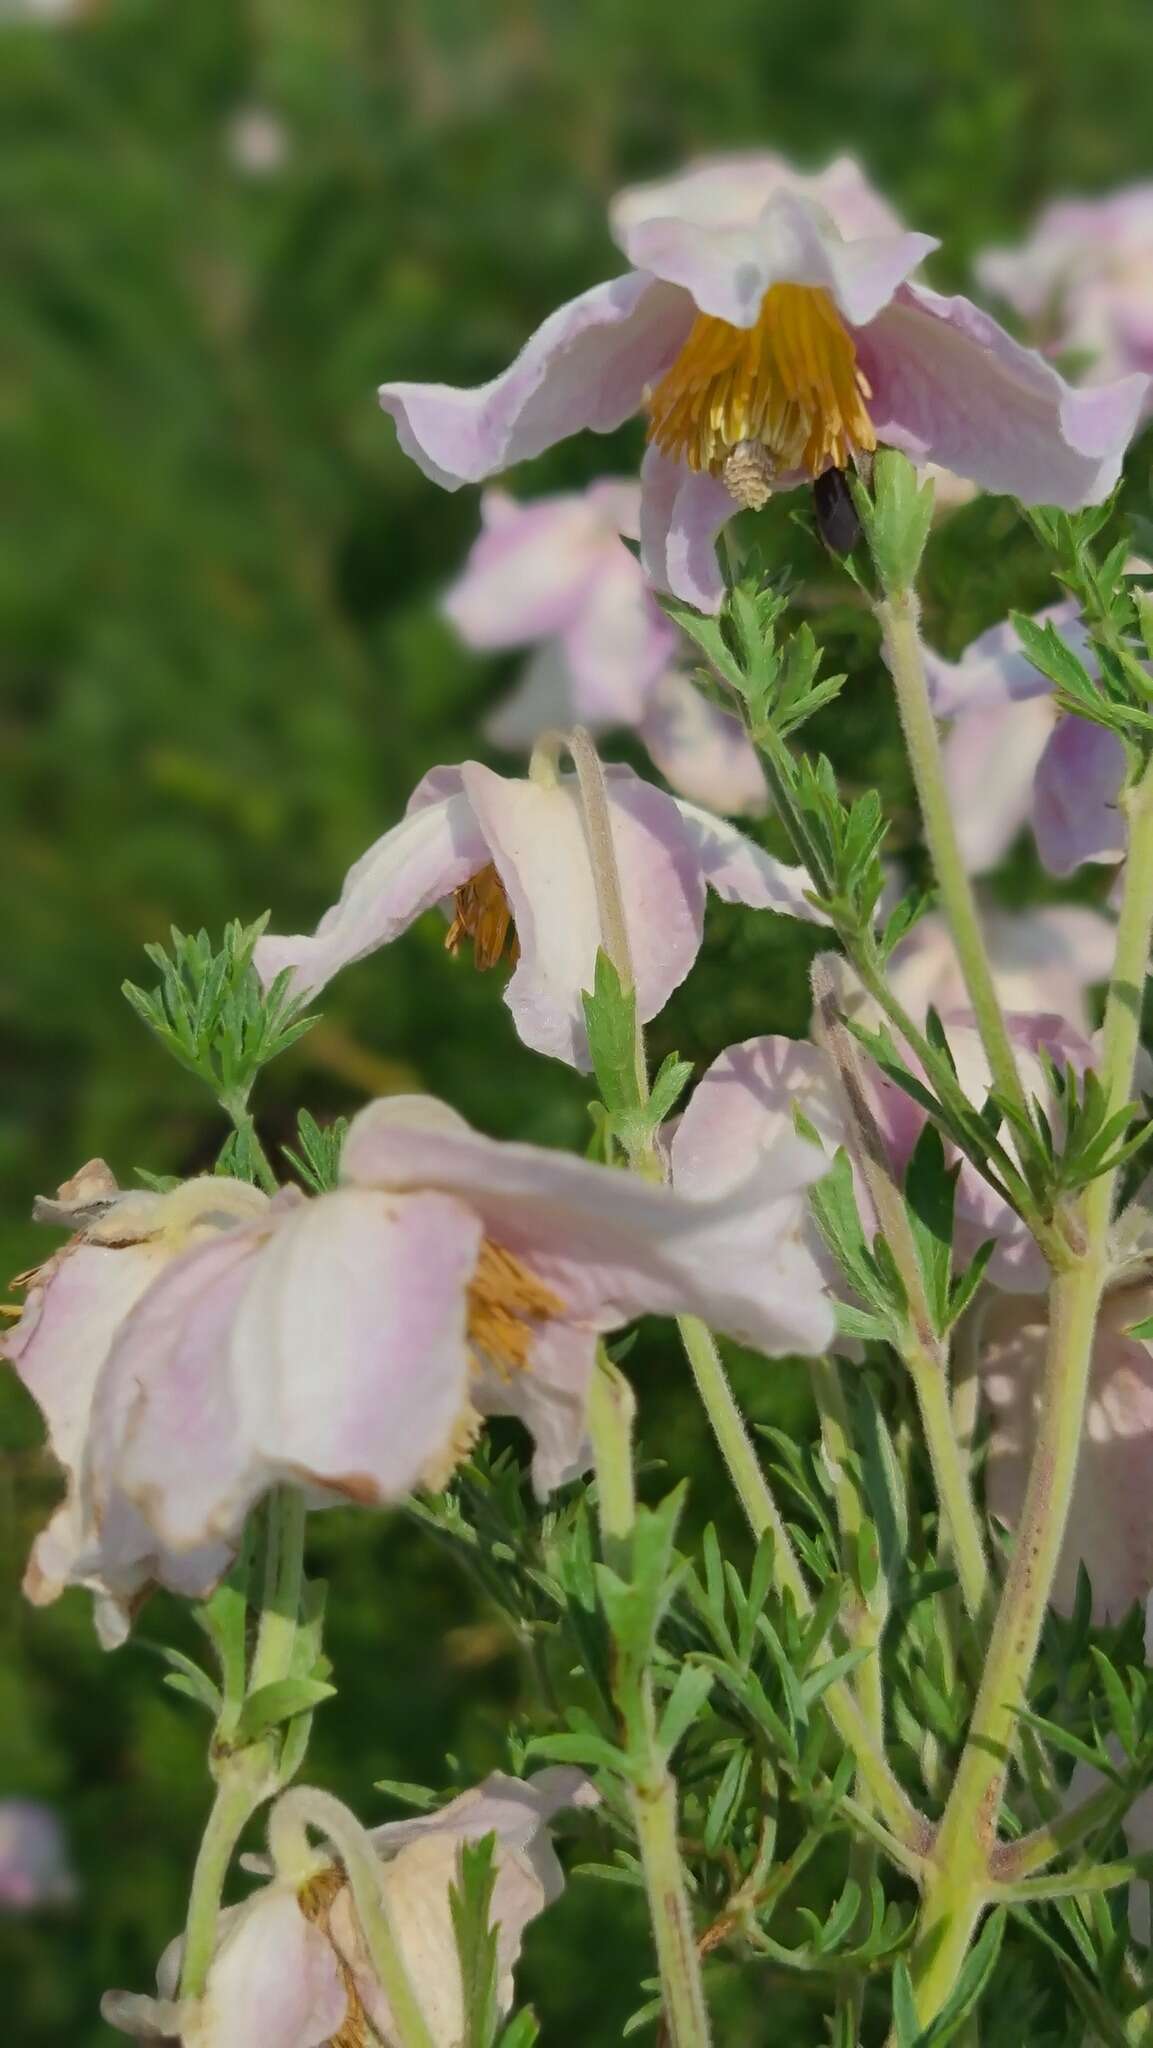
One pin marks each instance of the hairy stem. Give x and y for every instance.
(245, 1780)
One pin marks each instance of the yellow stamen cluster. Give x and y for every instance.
(316, 1900)
(481, 912)
(506, 1304)
(750, 404)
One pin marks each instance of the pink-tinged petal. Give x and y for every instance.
(168, 1382)
(744, 1104)
(1076, 814)
(732, 190)
(682, 512)
(515, 1810)
(430, 853)
(1044, 960)
(618, 644)
(275, 1979)
(990, 760)
(586, 368)
(994, 669)
(1110, 1530)
(701, 750)
(950, 386)
(550, 1398)
(741, 872)
(536, 839)
(728, 266)
(348, 1351)
(612, 1246)
(527, 574)
(61, 1341)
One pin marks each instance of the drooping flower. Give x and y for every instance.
(553, 574)
(514, 854)
(291, 1965)
(1083, 280)
(77, 1304)
(1110, 1531)
(770, 331)
(349, 1344)
(1044, 960)
(1011, 759)
(35, 1869)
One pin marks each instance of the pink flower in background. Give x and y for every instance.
(1045, 959)
(554, 574)
(1110, 1528)
(1011, 760)
(513, 853)
(35, 1869)
(769, 331)
(1083, 280)
(291, 1965)
(349, 1344)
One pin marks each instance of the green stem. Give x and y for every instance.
(954, 1899)
(653, 1792)
(962, 1532)
(245, 1127)
(897, 615)
(245, 1781)
(1016, 1860)
(283, 1585)
(764, 1518)
(306, 1808)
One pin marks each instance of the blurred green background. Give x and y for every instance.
(224, 670)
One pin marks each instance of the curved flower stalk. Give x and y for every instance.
(35, 1867)
(292, 1964)
(771, 330)
(513, 852)
(1083, 280)
(553, 575)
(350, 1344)
(1012, 760)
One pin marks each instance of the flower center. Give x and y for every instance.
(506, 1306)
(316, 1900)
(481, 912)
(751, 404)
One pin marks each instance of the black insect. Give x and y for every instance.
(837, 521)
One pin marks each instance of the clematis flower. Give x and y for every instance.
(1083, 280)
(514, 855)
(350, 1344)
(34, 1865)
(1044, 960)
(1109, 1531)
(291, 1966)
(1012, 760)
(553, 574)
(77, 1304)
(770, 331)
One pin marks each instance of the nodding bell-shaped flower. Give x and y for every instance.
(513, 855)
(554, 575)
(1044, 961)
(1012, 760)
(350, 1344)
(1083, 280)
(770, 330)
(292, 1967)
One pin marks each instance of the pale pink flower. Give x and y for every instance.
(1083, 280)
(77, 1306)
(770, 330)
(291, 1967)
(349, 1344)
(35, 1869)
(1044, 960)
(513, 852)
(257, 141)
(1012, 760)
(553, 574)
(1110, 1528)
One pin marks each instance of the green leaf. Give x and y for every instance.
(611, 1017)
(930, 1191)
(896, 519)
(470, 1903)
(269, 1705)
(685, 1704)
